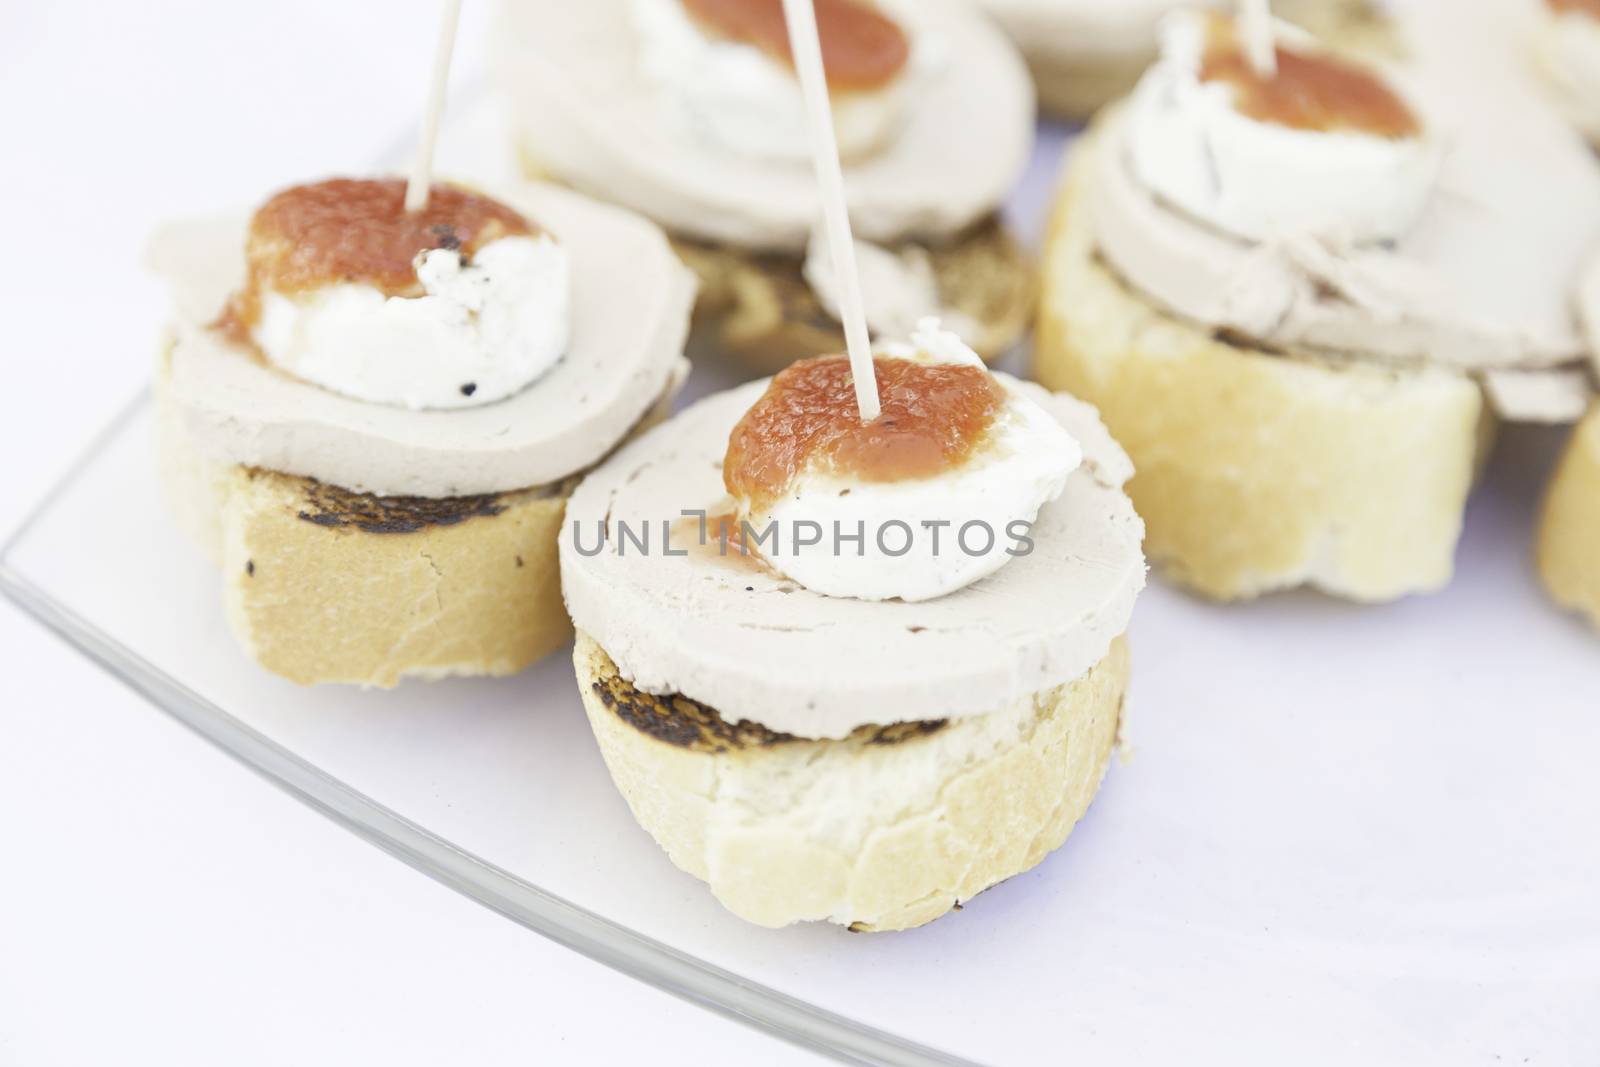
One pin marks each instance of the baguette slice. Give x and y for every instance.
(886, 829)
(1258, 470)
(1568, 550)
(765, 316)
(322, 584)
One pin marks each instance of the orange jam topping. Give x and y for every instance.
(358, 230)
(1310, 92)
(862, 48)
(934, 417)
(1590, 8)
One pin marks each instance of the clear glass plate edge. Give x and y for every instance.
(646, 959)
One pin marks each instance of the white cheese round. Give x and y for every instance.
(922, 538)
(1193, 148)
(482, 330)
(739, 99)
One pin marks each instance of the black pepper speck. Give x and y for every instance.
(447, 238)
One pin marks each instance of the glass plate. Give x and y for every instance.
(1346, 832)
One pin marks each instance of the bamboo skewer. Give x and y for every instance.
(806, 48)
(422, 165)
(1255, 29)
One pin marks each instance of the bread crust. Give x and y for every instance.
(783, 831)
(1568, 546)
(766, 316)
(1259, 470)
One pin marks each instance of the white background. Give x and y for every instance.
(137, 925)
(1438, 796)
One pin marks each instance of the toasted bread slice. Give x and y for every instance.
(1258, 470)
(766, 316)
(321, 584)
(886, 829)
(1568, 550)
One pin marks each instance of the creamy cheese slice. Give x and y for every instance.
(754, 645)
(630, 304)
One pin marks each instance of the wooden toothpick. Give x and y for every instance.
(806, 49)
(1255, 28)
(422, 166)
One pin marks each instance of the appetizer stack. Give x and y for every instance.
(689, 111)
(886, 671)
(802, 688)
(371, 417)
(1294, 303)
(1086, 53)
(1569, 53)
